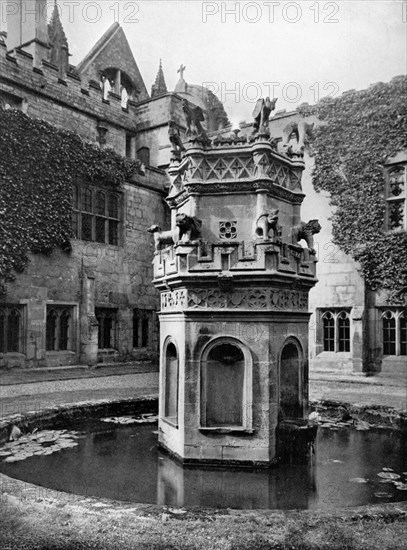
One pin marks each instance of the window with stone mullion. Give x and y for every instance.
(394, 333)
(96, 215)
(396, 198)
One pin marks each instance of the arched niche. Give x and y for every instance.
(171, 382)
(291, 387)
(226, 385)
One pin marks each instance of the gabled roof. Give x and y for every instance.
(112, 50)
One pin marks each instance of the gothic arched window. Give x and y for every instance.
(10, 329)
(59, 329)
(394, 332)
(336, 330)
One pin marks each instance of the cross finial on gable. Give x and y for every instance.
(181, 70)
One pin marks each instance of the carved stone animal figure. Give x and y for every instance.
(175, 137)
(306, 231)
(189, 227)
(193, 117)
(162, 237)
(300, 130)
(266, 222)
(261, 114)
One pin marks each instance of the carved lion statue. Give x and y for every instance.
(267, 222)
(189, 227)
(306, 231)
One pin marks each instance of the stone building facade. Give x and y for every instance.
(97, 302)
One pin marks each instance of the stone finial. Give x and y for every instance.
(59, 54)
(181, 71)
(159, 87)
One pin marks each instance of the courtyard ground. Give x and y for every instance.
(60, 522)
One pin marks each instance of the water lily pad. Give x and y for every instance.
(400, 486)
(5, 453)
(358, 480)
(380, 494)
(388, 475)
(11, 459)
(387, 469)
(386, 481)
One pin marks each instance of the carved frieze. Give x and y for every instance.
(172, 300)
(252, 298)
(256, 299)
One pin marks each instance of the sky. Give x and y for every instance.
(296, 51)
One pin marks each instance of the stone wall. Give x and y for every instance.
(67, 104)
(121, 280)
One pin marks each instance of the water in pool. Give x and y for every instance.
(124, 463)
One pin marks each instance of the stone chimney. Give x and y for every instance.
(27, 28)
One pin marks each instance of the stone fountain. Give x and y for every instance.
(234, 286)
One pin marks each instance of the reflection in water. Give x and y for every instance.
(123, 463)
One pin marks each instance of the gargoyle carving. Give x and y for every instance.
(301, 131)
(261, 115)
(187, 228)
(175, 137)
(193, 117)
(306, 231)
(267, 222)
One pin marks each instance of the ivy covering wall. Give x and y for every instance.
(38, 164)
(358, 132)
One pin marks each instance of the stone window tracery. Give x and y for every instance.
(394, 332)
(96, 215)
(59, 328)
(227, 230)
(396, 204)
(336, 330)
(11, 329)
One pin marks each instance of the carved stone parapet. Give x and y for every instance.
(235, 258)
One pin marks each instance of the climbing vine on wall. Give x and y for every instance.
(358, 131)
(38, 164)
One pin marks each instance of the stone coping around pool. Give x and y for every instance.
(14, 490)
(57, 416)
